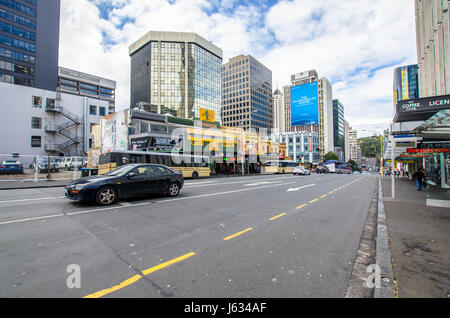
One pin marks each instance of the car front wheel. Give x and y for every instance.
(173, 190)
(106, 196)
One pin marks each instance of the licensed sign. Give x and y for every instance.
(420, 109)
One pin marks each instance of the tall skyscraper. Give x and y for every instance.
(339, 128)
(433, 47)
(29, 42)
(176, 73)
(247, 94)
(406, 83)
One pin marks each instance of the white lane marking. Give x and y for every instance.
(222, 193)
(138, 204)
(297, 189)
(26, 200)
(192, 185)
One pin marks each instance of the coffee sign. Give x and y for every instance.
(421, 109)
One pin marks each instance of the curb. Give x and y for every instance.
(383, 253)
(40, 186)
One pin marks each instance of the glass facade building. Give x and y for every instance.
(406, 83)
(338, 124)
(29, 42)
(247, 94)
(176, 73)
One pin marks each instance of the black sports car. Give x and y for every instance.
(128, 181)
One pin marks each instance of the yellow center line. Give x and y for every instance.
(237, 234)
(301, 206)
(323, 196)
(315, 200)
(331, 192)
(135, 278)
(278, 216)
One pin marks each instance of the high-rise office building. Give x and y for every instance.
(339, 128)
(176, 73)
(406, 83)
(29, 42)
(433, 47)
(246, 94)
(309, 107)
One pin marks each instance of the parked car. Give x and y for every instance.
(11, 167)
(42, 164)
(132, 180)
(301, 171)
(70, 163)
(322, 169)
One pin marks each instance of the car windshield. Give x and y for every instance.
(119, 171)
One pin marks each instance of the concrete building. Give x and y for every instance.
(176, 73)
(346, 141)
(46, 122)
(29, 42)
(355, 150)
(320, 98)
(82, 84)
(326, 132)
(433, 47)
(406, 83)
(279, 112)
(300, 146)
(298, 80)
(246, 94)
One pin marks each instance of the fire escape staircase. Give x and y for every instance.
(63, 129)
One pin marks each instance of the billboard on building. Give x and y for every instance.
(305, 104)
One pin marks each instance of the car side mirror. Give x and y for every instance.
(131, 175)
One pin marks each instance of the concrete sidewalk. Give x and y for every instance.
(419, 242)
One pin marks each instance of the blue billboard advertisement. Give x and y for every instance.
(305, 104)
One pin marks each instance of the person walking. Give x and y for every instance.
(419, 176)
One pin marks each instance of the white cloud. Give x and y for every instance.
(347, 41)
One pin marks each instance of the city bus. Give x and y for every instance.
(280, 166)
(192, 166)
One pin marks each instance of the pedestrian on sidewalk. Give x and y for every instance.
(419, 176)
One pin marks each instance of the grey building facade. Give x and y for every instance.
(247, 94)
(29, 42)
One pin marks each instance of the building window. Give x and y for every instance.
(37, 101)
(50, 103)
(92, 110)
(102, 111)
(36, 123)
(36, 141)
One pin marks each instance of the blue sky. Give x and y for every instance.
(355, 44)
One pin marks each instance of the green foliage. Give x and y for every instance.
(331, 156)
(354, 165)
(370, 147)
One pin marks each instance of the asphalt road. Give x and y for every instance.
(266, 236)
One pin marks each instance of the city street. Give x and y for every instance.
(265, 236)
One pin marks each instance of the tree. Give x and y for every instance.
(354, 165)
(331, 156)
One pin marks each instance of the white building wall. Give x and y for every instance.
(17, 112)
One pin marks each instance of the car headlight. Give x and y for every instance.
(79, 187)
